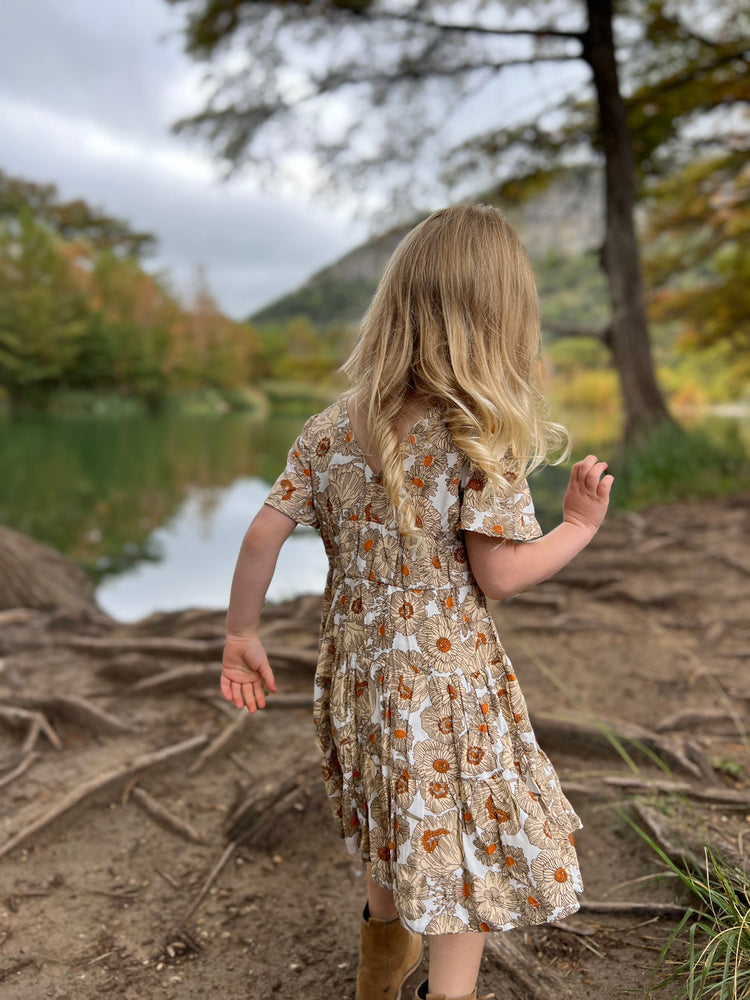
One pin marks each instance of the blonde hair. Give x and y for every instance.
(455, 322)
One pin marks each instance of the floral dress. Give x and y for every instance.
(430, 762)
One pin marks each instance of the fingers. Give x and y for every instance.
(261, 666)
(604, 487)
(594, 476)
(588, 474)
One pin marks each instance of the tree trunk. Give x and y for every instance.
(643, 402)
(35, 576)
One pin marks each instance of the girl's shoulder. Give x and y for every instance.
(325, 424)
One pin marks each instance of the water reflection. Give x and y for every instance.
(96, 489)
(197, 550)
(155, 508)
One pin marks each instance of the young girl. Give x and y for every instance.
(416, 480)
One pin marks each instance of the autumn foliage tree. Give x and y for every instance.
(78, 310)
(698, 263)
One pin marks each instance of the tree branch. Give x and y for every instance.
(417, 71)
(603, 333)
(475, 29)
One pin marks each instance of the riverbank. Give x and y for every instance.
(154, 842)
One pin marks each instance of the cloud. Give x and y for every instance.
(87, 94)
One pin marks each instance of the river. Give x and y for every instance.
(155, 507)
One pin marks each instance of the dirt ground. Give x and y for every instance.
(254, 895)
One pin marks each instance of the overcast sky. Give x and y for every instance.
(88, 91)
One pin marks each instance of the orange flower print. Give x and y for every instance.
(552, 879)
(514, 863)
(438, 795)
(440, 640)
(539, 832)
(402, 782)
(438, 846)
(495, 900)
(404, 690)
(474, 757)
(288, 488)
(438, 723)
(323, 446)
(431, 838)
(532, 906)
(407, 612)
(432, 759)
(494, 817)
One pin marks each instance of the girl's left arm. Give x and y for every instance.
(505, 568)
(245, 670)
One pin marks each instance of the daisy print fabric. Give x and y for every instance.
(430, 761)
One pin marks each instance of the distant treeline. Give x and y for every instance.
(80, 313)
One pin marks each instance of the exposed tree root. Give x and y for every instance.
(78, 711)
(98, 783)
(36, 722)
(257, 818)
(637, 909)
(195, 649)
(523, 967)
(615, 740)
(177, 679)
(230, 737)
(211, 878)
(157, 811)
(690, 718)
(20, 769)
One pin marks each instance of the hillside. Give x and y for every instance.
(565, 220)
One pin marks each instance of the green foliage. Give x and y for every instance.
(697, 264)
(297, 350)
(674, 464)
(71, 220)
(725, 765)
(325, 300)
(572, 289)
(42, 311)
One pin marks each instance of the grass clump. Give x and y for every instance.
(673, 464)
(716, 932)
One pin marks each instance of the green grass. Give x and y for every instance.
(674, 464)
(715, 931)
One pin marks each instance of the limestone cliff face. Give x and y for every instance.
(565, 218)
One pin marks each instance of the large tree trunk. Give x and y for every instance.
(642, 399)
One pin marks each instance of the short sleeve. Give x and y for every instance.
(293, 493)
(508, 514)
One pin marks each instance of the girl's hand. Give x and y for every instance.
(587, 497)
(246, 672)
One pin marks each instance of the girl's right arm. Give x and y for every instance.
(246, 673)
(505, 568)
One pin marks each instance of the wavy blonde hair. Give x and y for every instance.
(455, 323)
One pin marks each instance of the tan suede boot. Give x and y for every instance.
(421, 994)
(388, 955)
